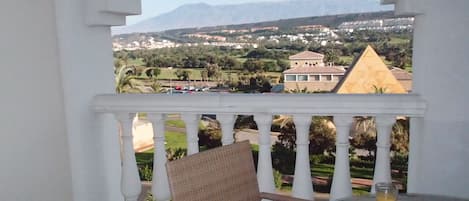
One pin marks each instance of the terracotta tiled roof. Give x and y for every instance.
(307, 55)
(317, 70)
(401, 74)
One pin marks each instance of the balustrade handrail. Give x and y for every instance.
(411, 105)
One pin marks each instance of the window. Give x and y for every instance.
(290, 78)
(327, 77)
(303, 78)
(314, 77)
(336, 77)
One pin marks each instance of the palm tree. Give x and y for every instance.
(128, 80)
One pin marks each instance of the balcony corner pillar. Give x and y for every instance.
(110, 12)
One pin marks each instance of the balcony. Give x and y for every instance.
(51, 136)
(385, 108)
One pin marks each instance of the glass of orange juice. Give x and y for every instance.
(386, 192)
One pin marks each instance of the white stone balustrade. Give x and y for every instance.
(265, 175)
(383, 144)
(227, 122)
(192, 128)
(341, 184)
(385, 108)
(302, 185)
(130, 181)
(160, 186)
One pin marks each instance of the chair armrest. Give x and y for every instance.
(278, 197)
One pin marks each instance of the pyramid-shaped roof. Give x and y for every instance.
(369, 74)
(306, 55)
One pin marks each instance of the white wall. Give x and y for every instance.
(87, 70)
(440, 152)
(34, 161)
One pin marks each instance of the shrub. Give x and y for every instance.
(209, 137)
(321, 135)
(149, 197)
(400, 163)
(321, 159)
(278, 179)
(362, 163)
(245, 121)
(176, 153)
(283, 159)
(145, 173)
(400, 159)
(145, 161)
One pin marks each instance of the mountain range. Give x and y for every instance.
(202, 15)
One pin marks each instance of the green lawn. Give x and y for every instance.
(167, 74)
(349, 60)
(175, 140)
(395, 41)
(242, 60)
(346, 59)
(176, 123)
(136, 62)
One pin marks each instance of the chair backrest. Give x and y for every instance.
(225, 173)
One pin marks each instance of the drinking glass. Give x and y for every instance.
(386, 192)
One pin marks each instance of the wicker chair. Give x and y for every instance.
(222, 174)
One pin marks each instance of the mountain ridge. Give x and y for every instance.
(203, 15)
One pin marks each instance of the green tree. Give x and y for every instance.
(152, 72)
(260, 53)
(282, 64)
(253, 66)
(229, 63)
(213, 71)
(123, 80)
(183, 74)
(331, 56)
(321, 134)
(204, 74)
(118, 63)
(191, 62)
(400, 59)
(364, 135)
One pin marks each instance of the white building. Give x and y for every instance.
(57, 145)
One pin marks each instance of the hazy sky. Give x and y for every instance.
(152, 8)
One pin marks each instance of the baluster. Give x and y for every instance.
(130, 181)
(341, 184)
(383, 159)
(265, 175)
(302, 185)
(227, 123)
(192, 129)
(160, 186)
